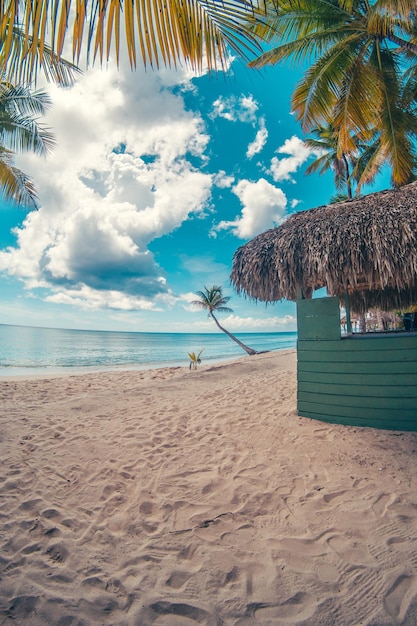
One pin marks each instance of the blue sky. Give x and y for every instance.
(156, 180)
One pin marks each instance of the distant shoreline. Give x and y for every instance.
(6, 374)
(28, 351)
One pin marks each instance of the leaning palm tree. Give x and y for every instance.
(21, 131)
(356, 52)
(213, 300)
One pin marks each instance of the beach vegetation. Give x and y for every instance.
(195, 359)
(198, 33)
(361, 78)
(21, 107)
(212, 299)
(21, 131)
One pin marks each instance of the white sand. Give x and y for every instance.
(172, 497)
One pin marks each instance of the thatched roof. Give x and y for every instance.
(366, 247)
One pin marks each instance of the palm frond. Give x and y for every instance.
(24, 101)
(160, 32)
(15, 186)
(21, 61)
(321, 165)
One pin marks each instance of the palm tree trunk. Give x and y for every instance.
(250, 351)
(348, 180)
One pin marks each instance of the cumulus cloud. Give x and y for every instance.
(236, 323)
(299, 153)
(236, 109)
(223, 180)
(264, 206)
(260, 140)
(120, 177)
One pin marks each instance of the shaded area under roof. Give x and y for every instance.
(366, 247)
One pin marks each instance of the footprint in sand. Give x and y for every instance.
(57, 553)
(299, 607)
(21, 607)
(382, 504)
(310, 555)
(350, 551)
(166, 613)
(399, 597)
(178, 579)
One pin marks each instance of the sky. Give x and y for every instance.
(156, 179)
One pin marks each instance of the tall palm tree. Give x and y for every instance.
(212, 299)
(20, 131)
(167, 32)
(357, 53)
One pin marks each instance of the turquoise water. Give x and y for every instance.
(24, 349)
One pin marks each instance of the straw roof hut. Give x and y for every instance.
(366, 247)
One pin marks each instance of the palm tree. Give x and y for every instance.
(349, 169)
(325, 141)
(159, 31)
(20, 131)
(213, 300)
(357, 53)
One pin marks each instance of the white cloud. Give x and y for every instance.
(120, 177)
(88, 298)
(236, 109)
(235, 323)
(264, 206)
(260, 140)
(222, 180)
(299, 153)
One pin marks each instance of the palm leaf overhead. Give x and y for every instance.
(20, 68)
(159, 32)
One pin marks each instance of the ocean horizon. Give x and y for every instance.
(31, 350)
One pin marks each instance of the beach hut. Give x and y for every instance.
(364, 251)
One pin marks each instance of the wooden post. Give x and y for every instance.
(348, 319)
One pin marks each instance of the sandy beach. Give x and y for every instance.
(176, 497)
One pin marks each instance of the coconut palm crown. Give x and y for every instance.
(361, 74)
(212, 299)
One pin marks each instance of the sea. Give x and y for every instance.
(30, 350)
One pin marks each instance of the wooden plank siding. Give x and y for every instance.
(367, 380)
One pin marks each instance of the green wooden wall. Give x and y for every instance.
(368, 380)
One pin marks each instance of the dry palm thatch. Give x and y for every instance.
(366, 248)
